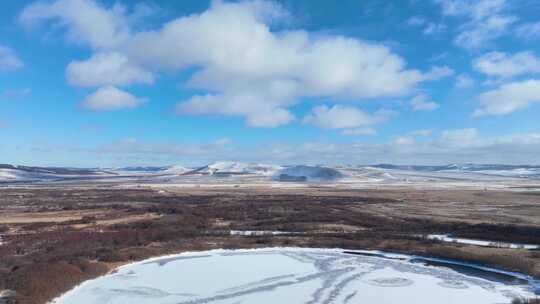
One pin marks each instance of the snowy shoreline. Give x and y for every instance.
(401, 258)
(483, 243)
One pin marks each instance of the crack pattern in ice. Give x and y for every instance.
(320, 276)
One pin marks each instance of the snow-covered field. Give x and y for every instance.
(289, 275)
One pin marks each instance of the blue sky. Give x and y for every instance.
(113, 83)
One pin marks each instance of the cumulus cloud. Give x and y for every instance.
(247, 104)
(423, 102)
(251, 70)
(487, 20)
(110, 99)
(106, 69)
(502, 65)
(464, 81)
(255, 69)
(9, 61)
(342, 117)
(509, 97)
(87, 22)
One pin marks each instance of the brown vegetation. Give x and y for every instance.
(40, 259)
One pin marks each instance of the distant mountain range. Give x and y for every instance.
(290, 173)
(143, 169)
(53, 170)
(457, 167)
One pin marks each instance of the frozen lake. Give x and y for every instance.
(288, 275)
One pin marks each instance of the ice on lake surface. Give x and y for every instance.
(288, 275)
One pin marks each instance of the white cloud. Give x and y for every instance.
(484, 32)
(273, 118)
(87, 21)
(251, 70)
(106, 69)
(464, 81)
(487, 20)
(9, 60)
(423, 102)
(474, 9)
(257, 113)
(529, 30)
(110, 99)
(509, 98)
(438, 72)
(236, 64)
(342, 117)
(404, 141)
(503, 65)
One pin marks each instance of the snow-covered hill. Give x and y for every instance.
(239, 171)
(517, 171)
(229, 167)
(176, 170)
(14, 175)
(308, 173)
